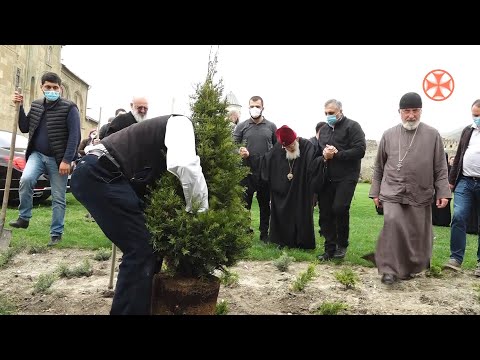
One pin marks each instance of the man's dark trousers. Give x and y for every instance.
(117, 209)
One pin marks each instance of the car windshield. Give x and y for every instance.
(21, 141)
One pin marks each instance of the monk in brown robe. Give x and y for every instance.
(410, 169)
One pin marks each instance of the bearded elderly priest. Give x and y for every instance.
(289, 168)
(410, 169)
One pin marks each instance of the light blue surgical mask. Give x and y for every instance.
(51, 95)
(476, 120)
(331, 120)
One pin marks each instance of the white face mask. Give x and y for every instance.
(255, 112)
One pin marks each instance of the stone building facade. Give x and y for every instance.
(23, 66)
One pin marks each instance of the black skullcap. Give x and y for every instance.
(410, 100)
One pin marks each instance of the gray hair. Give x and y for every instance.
(336, 103)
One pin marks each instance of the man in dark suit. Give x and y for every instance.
(139, 106)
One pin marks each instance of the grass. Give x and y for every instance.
(365, 226)
(78, 232)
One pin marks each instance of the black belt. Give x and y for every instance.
(474, 178)
(106, 159)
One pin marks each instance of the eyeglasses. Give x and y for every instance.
(141, 108)
(410, 111)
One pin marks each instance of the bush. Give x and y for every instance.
(195, 244)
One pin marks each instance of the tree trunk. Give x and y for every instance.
(184, 296)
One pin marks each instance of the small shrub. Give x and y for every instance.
(331, 308)
(434, 271)
(43, 283)
(221, 308)
(283, 262)
(84, 269)
(102, 254)
(304, 278)
(229, 278)
(347, 278)
(6, 306)
(36, 249)
(7, 256)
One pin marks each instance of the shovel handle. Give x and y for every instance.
(8, 179)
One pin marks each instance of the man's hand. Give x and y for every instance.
(329, 151)
(17, 98)
(441, 203)
(243, 152)
(64, 168)
(377, 202)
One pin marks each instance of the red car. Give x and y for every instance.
(42, 189)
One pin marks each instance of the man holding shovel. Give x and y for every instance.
(53, 125)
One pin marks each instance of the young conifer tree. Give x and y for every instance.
(195, 244)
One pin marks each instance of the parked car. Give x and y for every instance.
(42, 189)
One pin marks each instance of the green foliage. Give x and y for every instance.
(195, 244)
(283, 262)
(37, 249)
(84, 269)
(331, 308)
(221, 308)
(304, 278)
(6, 306)
(7, 255)
(434, 271)
(43, 283)
(347, 277)
(102, 254)
(229, 278)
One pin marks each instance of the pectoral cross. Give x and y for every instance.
(399, 165)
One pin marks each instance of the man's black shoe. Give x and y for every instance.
(340, 253)
(388, 279)
(264, 237)
(54, 240)
(325, 257)
(19, 223)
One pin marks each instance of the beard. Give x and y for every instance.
(410, 125)
(139, 117)
(292, 155)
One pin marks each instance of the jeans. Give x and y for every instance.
(38, 164)
(466, 195)
(117, 209)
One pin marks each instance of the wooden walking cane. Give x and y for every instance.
(112, 267)
(6, 234)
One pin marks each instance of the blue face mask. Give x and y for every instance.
(51, 95)
(476, 120)
(331, 120)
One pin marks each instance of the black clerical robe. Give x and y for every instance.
(291, 216)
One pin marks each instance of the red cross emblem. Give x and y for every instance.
(438, 85)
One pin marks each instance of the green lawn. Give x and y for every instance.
(365, 226)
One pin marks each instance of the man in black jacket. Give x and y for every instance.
(111, 181)
(139, 106)
(342, 144)
(53, 125)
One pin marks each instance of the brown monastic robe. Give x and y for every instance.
(405, 242)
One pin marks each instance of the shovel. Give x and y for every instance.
(6, 234)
